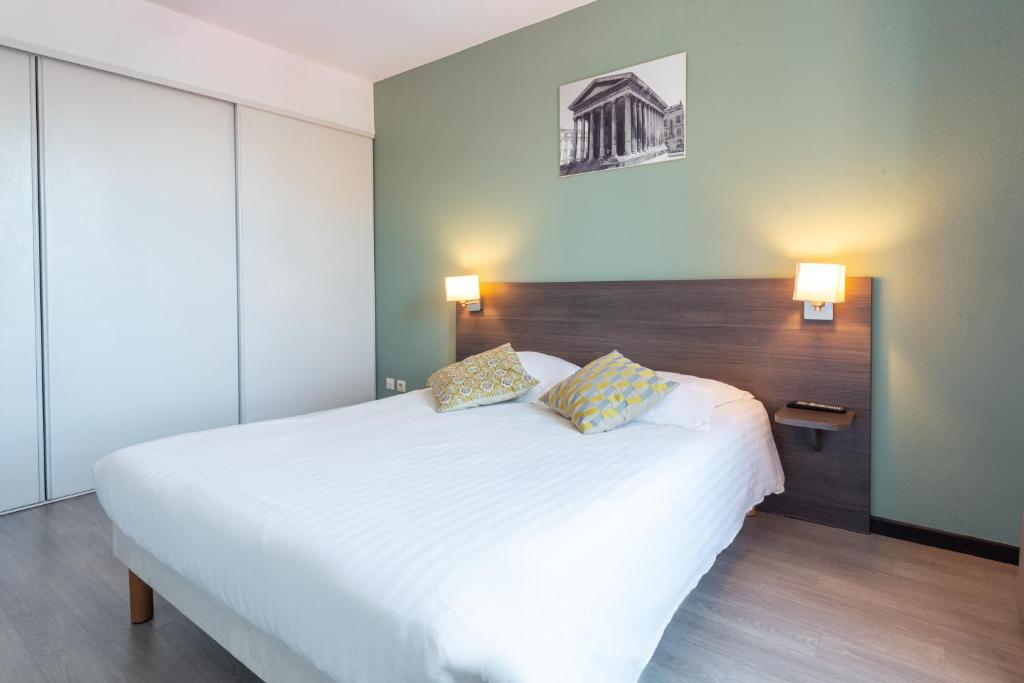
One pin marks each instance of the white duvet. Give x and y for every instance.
(387, 542)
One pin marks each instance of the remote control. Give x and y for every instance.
(815, 405)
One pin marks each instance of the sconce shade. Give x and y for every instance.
(462, 288)
(820, 283)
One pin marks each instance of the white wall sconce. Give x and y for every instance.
(465, 289)
(819, 285)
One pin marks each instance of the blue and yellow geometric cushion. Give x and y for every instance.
(607, 393)
(489, 377)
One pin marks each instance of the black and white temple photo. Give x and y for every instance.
(631, 116)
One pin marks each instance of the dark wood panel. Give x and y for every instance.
(749, 333)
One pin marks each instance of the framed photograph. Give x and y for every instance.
(627, 117)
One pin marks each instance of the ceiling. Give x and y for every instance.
(372, 39)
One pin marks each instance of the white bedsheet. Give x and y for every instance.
(387, 542)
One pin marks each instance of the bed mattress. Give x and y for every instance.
(388, 542)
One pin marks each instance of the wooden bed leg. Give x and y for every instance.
(752, 512)
(140, 599)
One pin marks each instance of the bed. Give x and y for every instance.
(388, 542)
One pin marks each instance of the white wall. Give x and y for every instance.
(143, 40)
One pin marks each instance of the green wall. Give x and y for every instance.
(885, 135)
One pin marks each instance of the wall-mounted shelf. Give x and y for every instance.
(815, 420)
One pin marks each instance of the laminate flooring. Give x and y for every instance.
(787, 601)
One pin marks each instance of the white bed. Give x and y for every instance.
(387, 542)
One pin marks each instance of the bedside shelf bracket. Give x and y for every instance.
(815, 422)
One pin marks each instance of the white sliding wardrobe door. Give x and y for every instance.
(20, 418)
(306, 266)
(140, 277)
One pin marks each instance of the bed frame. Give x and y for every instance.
(749, 333)
(266, 656)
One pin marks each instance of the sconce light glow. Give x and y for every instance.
(465, 289)
(819, 285)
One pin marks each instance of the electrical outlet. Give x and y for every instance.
(400, 384)
(389, 383)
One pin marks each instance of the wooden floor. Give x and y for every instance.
(788, 601)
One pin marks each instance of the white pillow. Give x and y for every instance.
(547, 370)
(692, 402)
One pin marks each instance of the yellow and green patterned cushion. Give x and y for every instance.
(489, 377)
(607, 393)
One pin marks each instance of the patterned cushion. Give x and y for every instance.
(489, 377)
(607, 393)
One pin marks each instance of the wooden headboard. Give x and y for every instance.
(748, 333)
